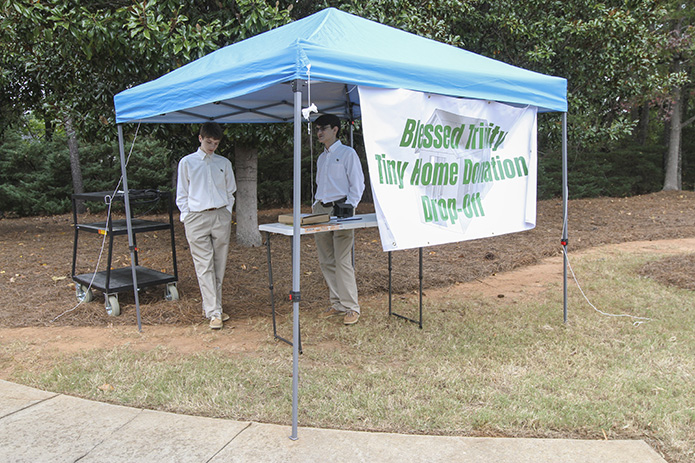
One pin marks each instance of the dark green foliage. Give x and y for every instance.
(624, 171)
(275, 163)
(275, 192)
(35, 176)
(688, 150)
(276, 168)
(148, 168)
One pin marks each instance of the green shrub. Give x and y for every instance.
(625, 171)
(35, 175)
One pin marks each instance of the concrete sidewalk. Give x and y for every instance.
(38, 426)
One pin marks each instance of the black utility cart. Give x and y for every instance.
(114, 281)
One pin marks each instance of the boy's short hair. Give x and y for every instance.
(328, 119)
(211, 130)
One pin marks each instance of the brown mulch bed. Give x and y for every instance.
(673, 271)
(36, 257)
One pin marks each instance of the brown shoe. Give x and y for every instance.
(225, 317)
(215, 322)
(351, 318)
(332, 312)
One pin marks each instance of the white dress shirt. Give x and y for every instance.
(339, 175)
(205, 181)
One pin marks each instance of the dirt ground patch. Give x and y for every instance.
(36, 290)
(245, 337)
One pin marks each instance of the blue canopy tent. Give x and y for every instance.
(321, 60)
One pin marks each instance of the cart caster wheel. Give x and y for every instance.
(112, 307)
(83, 293)
(172, 293)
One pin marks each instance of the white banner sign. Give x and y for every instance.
(447, 169)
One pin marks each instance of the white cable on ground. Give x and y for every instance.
(96, 268)
(636, 323)
(108, 199)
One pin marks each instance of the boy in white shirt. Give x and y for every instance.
(339, 180)
(205, 196)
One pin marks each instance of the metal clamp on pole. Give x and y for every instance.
(295, 296)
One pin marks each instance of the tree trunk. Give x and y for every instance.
(643, 126)
(174, 174)
(247, 233)
(75, 168)
(47, 126)
(671, 177)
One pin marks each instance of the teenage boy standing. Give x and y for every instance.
(205, 196)
(339, 179)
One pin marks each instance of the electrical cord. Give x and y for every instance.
(639, 320)
(147, 197)
(96, 269)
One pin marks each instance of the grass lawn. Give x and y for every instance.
(481, 366)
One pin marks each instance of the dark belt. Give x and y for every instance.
(212, 209)
(333, 203)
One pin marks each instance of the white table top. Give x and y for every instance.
(358, 221)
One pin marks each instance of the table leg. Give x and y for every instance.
(272, 296)
(419, 322)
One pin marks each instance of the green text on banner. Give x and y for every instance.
(448, 169)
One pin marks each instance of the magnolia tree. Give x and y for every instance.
(620, 58)
(67, 59)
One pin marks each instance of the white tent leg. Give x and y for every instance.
(129, 224)
(564, 215)
(296, 248)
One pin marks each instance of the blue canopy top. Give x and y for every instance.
(330, 53)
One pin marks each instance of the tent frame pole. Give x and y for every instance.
(296, 250)
(129, 224)
(564, 216)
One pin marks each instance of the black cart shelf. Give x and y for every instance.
(114, 281)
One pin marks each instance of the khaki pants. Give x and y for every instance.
(208, 238)
(335, 257)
